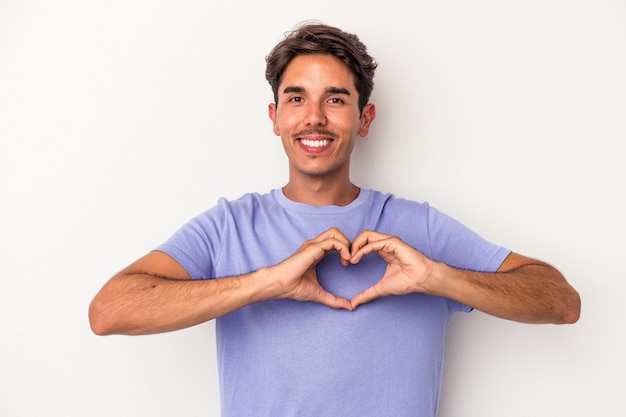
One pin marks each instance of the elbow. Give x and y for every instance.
(571, 310)
(98, 321)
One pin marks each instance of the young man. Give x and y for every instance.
(330, 300)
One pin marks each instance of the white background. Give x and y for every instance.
(120, 120)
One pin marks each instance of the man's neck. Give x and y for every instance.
(321, 193)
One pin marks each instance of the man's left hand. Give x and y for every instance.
(408, 270)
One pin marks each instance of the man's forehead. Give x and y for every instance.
(317, 71)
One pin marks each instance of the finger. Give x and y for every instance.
(332, 233)
(334, 301)
(384, 248)
(319, 246)
(322, 247)
(366, 296)
(366, 237)
(344, 253)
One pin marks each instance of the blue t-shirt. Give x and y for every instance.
(291, 358)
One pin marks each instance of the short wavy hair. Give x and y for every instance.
(317, 38)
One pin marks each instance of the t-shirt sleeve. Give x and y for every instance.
(457, 246)
(197, 245)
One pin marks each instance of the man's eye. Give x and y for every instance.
(296, 99)
(335, 100)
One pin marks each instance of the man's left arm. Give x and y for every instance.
(523, 289)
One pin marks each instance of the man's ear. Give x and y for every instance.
(272, 113)
(367, 117)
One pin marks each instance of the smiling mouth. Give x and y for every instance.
(315, 140)
(315, 143)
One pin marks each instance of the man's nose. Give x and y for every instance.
(315, 115)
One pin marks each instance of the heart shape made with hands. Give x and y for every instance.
(348, 281)
(344, 274)
(373, 276)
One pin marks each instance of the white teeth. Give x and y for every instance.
(315, 143)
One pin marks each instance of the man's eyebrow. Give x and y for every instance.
(331, 90)
(338, 90)
(293, 89)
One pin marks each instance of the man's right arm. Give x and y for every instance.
(155, 294)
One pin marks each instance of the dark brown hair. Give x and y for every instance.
(316, 38)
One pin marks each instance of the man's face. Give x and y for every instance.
(317, 116)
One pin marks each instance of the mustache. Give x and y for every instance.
(321, 132)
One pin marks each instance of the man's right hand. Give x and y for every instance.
(296, 275)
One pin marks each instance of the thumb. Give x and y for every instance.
(366, 296)
(334, 301)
